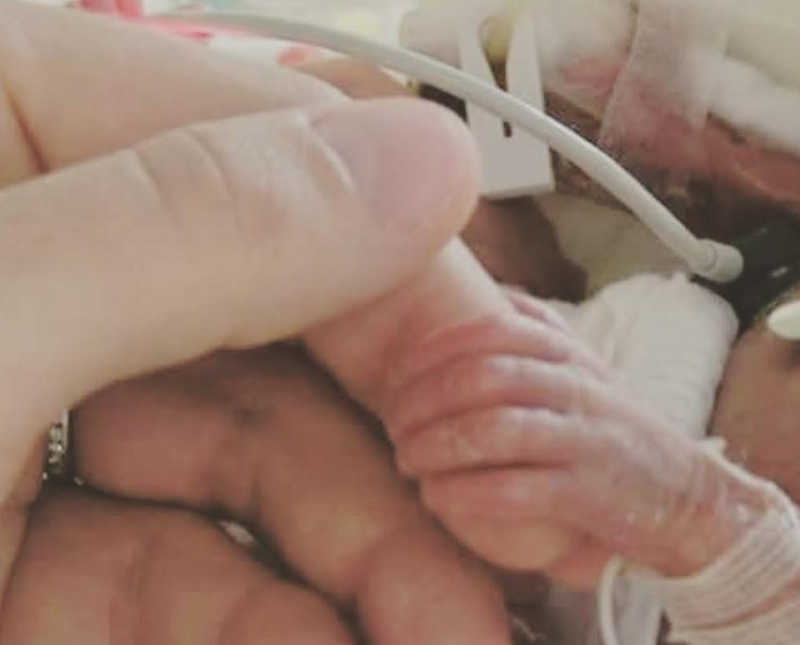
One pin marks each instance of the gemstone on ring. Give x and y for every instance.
(57, 464)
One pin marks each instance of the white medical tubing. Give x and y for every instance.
(707, 258)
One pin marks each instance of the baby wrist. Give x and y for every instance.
(763, 563)
(738, 597)
(719, 503)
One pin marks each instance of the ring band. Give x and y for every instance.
(57, 464)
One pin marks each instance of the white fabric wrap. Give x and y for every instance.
(666, 338)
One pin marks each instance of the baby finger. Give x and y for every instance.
(515, 334)
(482, 382)
(505, 516)
(507, 436)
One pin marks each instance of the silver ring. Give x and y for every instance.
(57, 465)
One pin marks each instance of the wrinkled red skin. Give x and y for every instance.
(656, 136)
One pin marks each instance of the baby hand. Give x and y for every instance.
(528, 449)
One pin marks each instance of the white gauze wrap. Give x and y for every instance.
(667, 339)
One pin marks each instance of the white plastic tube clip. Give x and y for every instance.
(515, 163)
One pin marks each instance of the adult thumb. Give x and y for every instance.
(224, 234)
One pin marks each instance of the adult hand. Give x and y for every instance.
(146, 242)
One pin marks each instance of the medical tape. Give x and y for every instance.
(674, 61)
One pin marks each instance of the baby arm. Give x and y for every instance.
(525, 446)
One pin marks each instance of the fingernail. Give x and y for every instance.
(411, 161)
